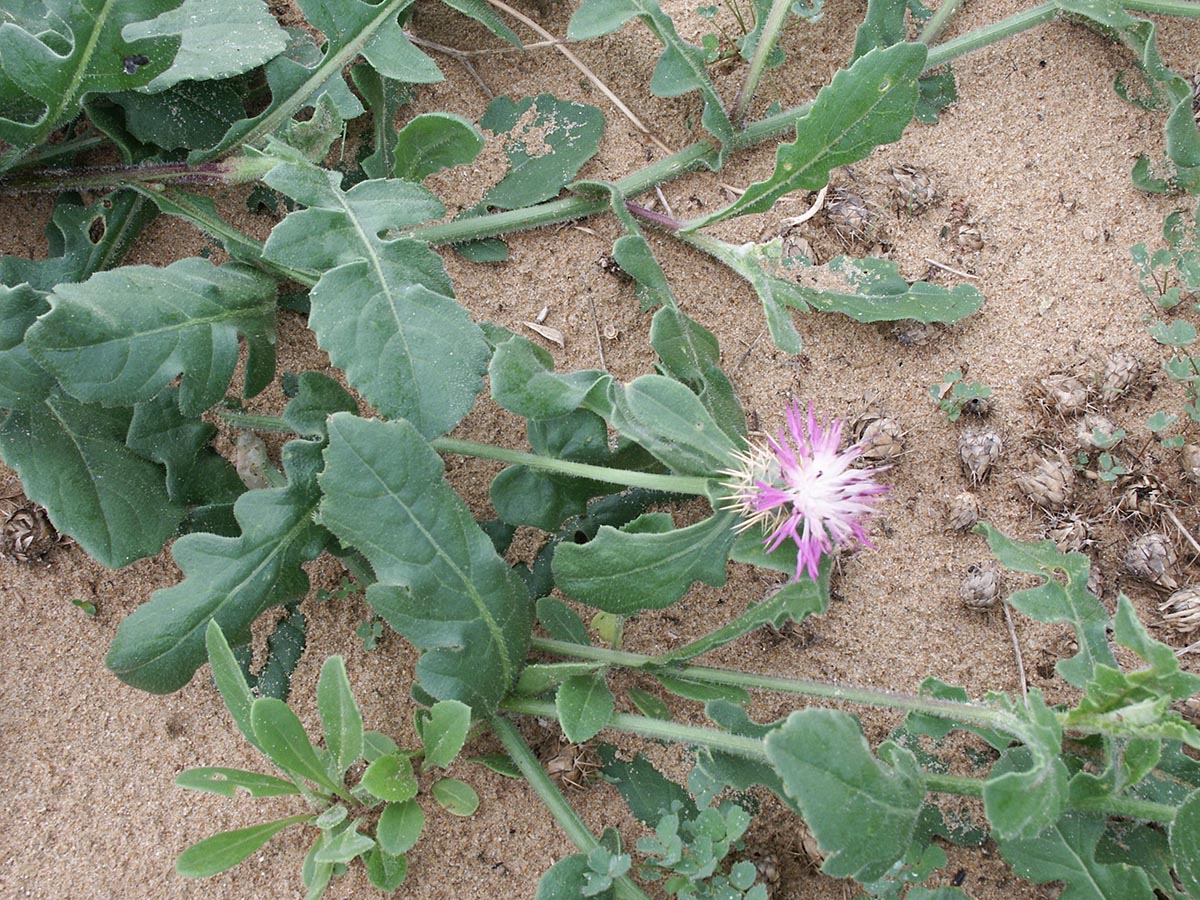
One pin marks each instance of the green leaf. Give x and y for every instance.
(671, 422)
(648, 705)
(443, 731)
(49, 73)
(391, 778)
(190, 115)
(218, 780)
(584, 705)
(285, 742)
(1054, 601)
(384, 310)
(864, 106)
(561, 621)
(384, 98)
(399, 826)
(434, 141)
(344, 846)
(341, 719)
(482, 13)
(862, 810)
(441, 583)
(23, 383)
(500, 763)
(217, 39)
(646, 565)
(1066, 852)
(523, 382)
(566, 879)
(546, 140)
(884, 24)
(72, 459)
(682, 67)
(229, 580)
(649, 794)
(690, 354)
(1184, 843)
(386, 871)
(702, 692)
(159, 432)
(231, 681)
(456, 797)
(317, 397)
(122, 336)
(285, 646)
(227, 849)
(1026, 791)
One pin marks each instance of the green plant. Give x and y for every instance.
(954, 395)
(377, 819)
(111, 378)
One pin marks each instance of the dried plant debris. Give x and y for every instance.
(912, 333)
(880, 437)
(1151, 558)
(914, 188)
(27, 535)
(962, 229)
(1070, 533)
(979, 448)
(962, 512)
(1182, 609)
(1097, 432)
(1117, 375)
(1063, 393)
(1189, 462)
(1049, 484)
(849, 215)
(1140, 497)
(980, 587)
(567, 764)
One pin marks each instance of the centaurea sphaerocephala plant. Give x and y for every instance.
(801, 486)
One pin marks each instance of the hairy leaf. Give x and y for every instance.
(435, 141)
(862, 810)
(584, 704)
(340, 717)
(384, 98)
(218, 780)
(230, 580)
(690, 354)
(72, 459)
(562, 622)
(649, 794)
(441, 583)
(647, 565)
(23, 383)
(383, 309)
(456, 797)
(217, 39)
(546, 140)
(1184, 844)
(1066, 852)
(122, 336)
(317, 397)
(681, 68)
(869, 104)
(391, 778)
(227, 849)
(523, 382)
(443, 730)
(344, 846)
(190, 115)
(399, 826)
(1026, 791)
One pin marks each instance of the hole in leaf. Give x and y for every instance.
(133, 63)
(96, 229)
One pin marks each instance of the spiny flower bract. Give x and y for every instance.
(799, 485)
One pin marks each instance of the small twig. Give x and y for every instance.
(1187, 534)
(1012, 633)
(663, 200)
(596, 327)
(1188, 649)
(793, 221)
(458, 55)
(749, 348)
(958, 272)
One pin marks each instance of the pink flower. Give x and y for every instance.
(799, 486)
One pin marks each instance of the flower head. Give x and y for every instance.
(800, 486)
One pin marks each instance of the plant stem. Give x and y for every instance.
(938, 21)
(255, 422)
(679, 484)
(990, 34)
(767, 38)
(564, 814)
(1188, 9)
(973, 713)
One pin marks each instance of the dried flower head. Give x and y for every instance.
(1182, 609)
(980, 587)
(1120, 370)
(1064, 393)
(1151, 558)
(914, 188)
(1049, 484)
(963, 512)
(979, 448)
(849, 215)
(801, 486)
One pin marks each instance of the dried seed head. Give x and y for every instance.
(881, 439)
(1095, 432)
(1065, 394)
(27, 536)
(963, 512)
(1151, 558)
(767, 865)
(913, 187)
(1189, 461)
(848, 215)
(1070, 534)
(1190, 710)
(1049, 485)
(979, 448)
(1140, 498)
(1182, 609)
(1120, 370)
(981, 587)
(568, 764)
(968, 237)
(1095, 581)
(978, 406)
(912, 333)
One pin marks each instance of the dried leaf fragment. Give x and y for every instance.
(549, 332)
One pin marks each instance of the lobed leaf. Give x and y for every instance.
(647, 565)
(869, 104)
(649, 794)
(383, 309)
(228, 580)
(344, 846)
(122, 336)
(441, 583)
(862, 810)
(384, 97)
(523, 382)
(23, 383)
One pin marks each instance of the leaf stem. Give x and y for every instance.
(767, 38)
(679, 484)
(1188, 9)
(253, 422)
(564, 814)
(938, 20)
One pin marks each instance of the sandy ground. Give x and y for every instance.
(1038, 146)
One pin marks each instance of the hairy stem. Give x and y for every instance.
(679, 484)
(767, 38)
(938, 21)
(564, 814)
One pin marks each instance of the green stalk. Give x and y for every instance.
(938, 21)
(767, 38)
(1184, 8)
(679, 484)
(254, 422)
(990, 34)
(564, 814)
